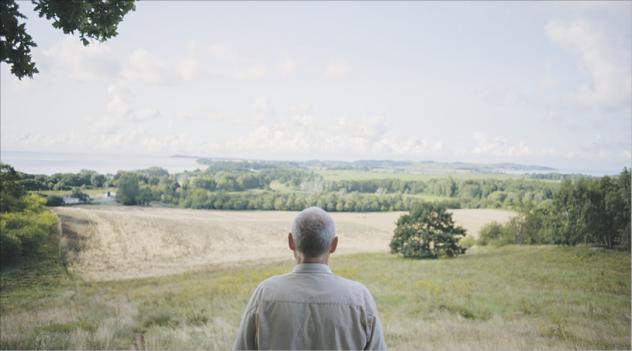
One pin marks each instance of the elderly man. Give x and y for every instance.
(311, 308)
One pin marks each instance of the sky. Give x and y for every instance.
(545, 83)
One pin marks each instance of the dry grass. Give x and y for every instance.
(510, 298)
(134, 242)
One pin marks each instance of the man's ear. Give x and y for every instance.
(290, 242)
(334, 245)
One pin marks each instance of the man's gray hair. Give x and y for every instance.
(313, 230)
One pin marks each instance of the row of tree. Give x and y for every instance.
(192, 194)
(583, 211)
(133, 191)
(231, 177)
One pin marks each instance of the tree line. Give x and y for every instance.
(226, 180)
(134, 190)
(592, 211)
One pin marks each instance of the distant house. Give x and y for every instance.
(68, 200)
(105, 198)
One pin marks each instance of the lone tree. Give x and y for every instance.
(427, 231)
(128, 191)
(92, 19)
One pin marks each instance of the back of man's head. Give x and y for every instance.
(313, 231)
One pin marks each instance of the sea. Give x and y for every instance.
(33, 162)
(53, 162)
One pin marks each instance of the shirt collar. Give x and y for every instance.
(311, 268)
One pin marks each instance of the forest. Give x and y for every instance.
(249, 185)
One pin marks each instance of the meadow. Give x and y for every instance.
(358, 175)
(513, 297)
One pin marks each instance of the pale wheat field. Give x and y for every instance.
(109, 243)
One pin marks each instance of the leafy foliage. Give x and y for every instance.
(16, 43)
(240, 185)
(54, 200)
(583, 211)
(78, 194)
(128, 191)
(92, 19)
(490, 233)
(427, 231)
(10, 189)
(593, 211)
(26, 233)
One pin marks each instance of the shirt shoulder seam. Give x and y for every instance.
(317, 303)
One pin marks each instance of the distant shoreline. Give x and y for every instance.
(35, 162)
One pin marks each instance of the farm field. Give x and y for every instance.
(112, 242)
(407, 175)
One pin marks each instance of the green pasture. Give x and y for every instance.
(401, 175)
(513, 297)
(91, 192)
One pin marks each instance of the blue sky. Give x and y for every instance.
(528, 82)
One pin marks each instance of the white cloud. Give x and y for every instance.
(609, 67)
(263, 108)
(287, 65)
(495, 146)
(98, 62)
(337, 69)
(121, 112)
(149, 68)
(229, 63)
(305, 136)
(69, 57)
(131, 139)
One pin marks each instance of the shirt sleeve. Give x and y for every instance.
(247, 335)
(375, 334)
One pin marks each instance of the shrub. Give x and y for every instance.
(467, 242)
(78, 194)
(26, 233)
(490, 233)
(11, 191)
(54, 200)
(427, 231)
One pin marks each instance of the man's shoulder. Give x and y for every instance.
(282, 279)
(352, 284)
(357, 290)
(284, 286)
(273, 281)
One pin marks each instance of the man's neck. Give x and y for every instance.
(321, 260)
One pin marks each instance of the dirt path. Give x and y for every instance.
(133, 242)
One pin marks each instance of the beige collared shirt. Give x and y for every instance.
(310, 308)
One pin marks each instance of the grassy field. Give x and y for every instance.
(90, 192)
(520, 298)
(370, 175)
(115, 242)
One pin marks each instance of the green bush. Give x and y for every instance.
(128, 190)
(11, 191)
(427, 231)
(26, 233)
(491, 233)
(54, 200)
(467, 242)
(78, 194)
